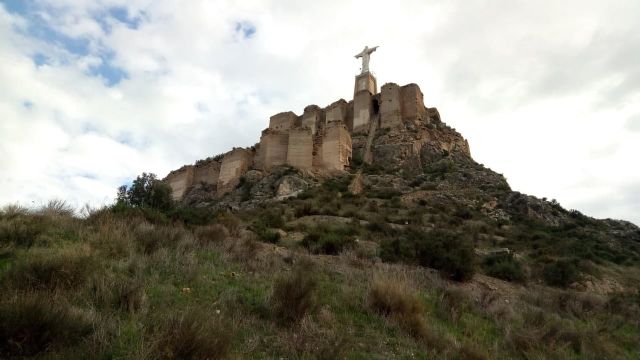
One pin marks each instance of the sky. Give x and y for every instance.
(95, 92)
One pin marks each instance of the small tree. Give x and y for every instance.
(146, 191)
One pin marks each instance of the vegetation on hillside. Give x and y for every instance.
(140, 284)
(407, 269)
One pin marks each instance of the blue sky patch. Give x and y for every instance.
(246, 29)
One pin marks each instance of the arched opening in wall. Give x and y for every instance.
(376, 107)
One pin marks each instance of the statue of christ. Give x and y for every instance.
(365, 55)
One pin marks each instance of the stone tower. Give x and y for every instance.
(365, 88)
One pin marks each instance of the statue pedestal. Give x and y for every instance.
(365, 87)
(366, 82)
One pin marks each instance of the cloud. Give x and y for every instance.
(95, 92)
(633, 124)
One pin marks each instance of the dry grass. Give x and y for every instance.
(212, 234)
(68, 268)
(293, 295)
(197, 334)
(31, 323)
(394, 299)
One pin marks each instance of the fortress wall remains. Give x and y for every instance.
(206, 173)
(390, 106)
(336, 147)
(336, 112)
(349, 116)
(180, 180)
(362, 111)
(234, 164)
(300, 149)
(311, 118)
(412, 103)
(283, 121)
(274, 146)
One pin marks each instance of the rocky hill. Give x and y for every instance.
(363, 230)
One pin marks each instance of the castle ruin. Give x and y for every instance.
(318, 141)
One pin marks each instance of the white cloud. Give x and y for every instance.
(546, 93)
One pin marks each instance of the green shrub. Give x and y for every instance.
(561, 273)
(446, 251)
(32, 323)
(331, 240)
(193, 215)
(265, 234)
(146, 191)
(503, 267)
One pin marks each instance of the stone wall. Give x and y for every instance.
(336, 147)
(412, 103)
(336, 112)
(180, 180)
(390, 106)
(273, 148)
(311, 118)
(362, 111)
(234, 164)
(300, 150)
(206, 173)
(283, 121)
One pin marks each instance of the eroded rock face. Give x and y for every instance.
(289, 186)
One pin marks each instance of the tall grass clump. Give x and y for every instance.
(196, 334)
(294, 295)
(33, 323)
(42, 269)
(392, 298)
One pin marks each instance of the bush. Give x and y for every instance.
(265, 234)
(503, 267)
(192, 335)
(33, 323)
(560, 273)
(294, 295)
(446, 251)
(193, 215)
(56, 208)
(331, 240)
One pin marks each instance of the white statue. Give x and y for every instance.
(365, 54)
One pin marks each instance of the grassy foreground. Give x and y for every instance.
(121, 285)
